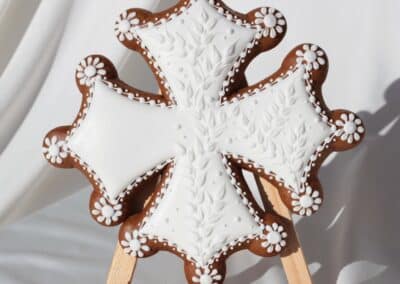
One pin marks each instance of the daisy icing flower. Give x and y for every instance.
(306, 201)
(89, 70)
(275, 238)
(272, 20)
(206, 277)
(105, 212)
(351, 128)
(54, 150)
(124, 26)
(311, 56)
(135, 244)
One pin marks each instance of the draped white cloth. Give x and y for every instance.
(353, 239)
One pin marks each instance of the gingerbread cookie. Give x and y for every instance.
(197, 136)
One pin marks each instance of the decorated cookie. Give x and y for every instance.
(196, 136)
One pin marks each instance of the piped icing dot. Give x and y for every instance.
(350, 129)
(306, 201)
(135, 245)
(124, 26)
(274, 238)
(90, 71)
(270, 21)
(310, 56)
(54, 150)
(205, 279)
(107, 211)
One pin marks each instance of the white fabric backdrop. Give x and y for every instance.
(354, 238)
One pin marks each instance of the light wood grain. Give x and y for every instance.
(294, 264)
(122, 267)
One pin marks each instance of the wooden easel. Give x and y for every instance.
(294, 263)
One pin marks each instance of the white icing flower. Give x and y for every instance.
(351, 128)
(105, 212)
(273, 21)
(135, 244)
(89, 70)
(124, 26)
(275, 238)
(54, 150)
(306, 201)
(312, 56)
(206, 277)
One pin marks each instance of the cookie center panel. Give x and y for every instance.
(201, 213)
(196, 50)
(279, 128)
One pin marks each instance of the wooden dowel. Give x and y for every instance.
(294, 263)
(122, 267)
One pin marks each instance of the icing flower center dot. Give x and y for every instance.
(274, 238)
(135, 245)
(107, 211)
(90, 71)
(205, 279)
(350, 127)
(54, 150)
(306, 201)
(124, 26)
(310, 56)
(270, 21)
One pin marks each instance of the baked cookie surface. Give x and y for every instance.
(196, 136)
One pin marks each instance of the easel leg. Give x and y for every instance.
(122, 267)
(294, 263)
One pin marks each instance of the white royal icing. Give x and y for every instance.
(121, 139)
(202, 210)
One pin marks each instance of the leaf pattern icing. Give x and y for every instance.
(196, 49)
(278, 128)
